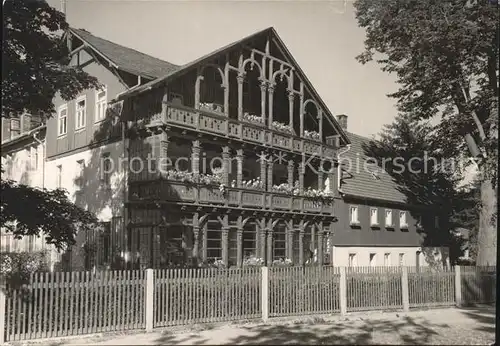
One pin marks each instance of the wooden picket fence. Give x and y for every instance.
(77, 303)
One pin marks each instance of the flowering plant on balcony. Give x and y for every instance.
(253, 184)
(287, 188)
(212, 107)
(312, 135)
(185, 177)
(282, 127)
(283, 262)
(252, 118)
(318, 195)
(253, 261)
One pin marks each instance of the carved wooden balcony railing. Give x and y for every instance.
(212, 123)
(167, 190)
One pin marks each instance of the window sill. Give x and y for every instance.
(355, 225)
(389, 227)
(62, 135)
(80, 129)
(375, 226)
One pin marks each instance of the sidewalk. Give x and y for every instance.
(472, 326)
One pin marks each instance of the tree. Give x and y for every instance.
(445, 56)
(35, 67)
(35, 60)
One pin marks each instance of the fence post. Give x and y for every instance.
(343, 291)
(458, 287)
(149, 295)
(3, 310)
(405, 289)
(265, 293)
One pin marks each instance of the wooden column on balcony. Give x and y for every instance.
(288, 242)
(196, 236)
(301, 243)
(205, 243)
(321, 176)
(332, 179)
(269, 242)
(320, 243)
(239, 168)
(302, 171)
(270, 95)
(195, 159)
(301, 109)
(320, 124)
(263, 89)
(240, 79)
(199, 78)
(291, 97)
(226, 86)
(270, 165)
(263, 169)
(239, 243)
(225, 239)
(263, 234)
(290, 172)
(163, 154)
(225, 165)
(337, 176)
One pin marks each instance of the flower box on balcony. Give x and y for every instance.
(277, 126)
(312, 135)
(211, 107)
(253, 119)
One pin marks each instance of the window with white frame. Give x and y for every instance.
(353, 214)
(388, 217)
(387, 259)
(373, 259)
(352, 260)
(62, 120)
(374, 216)
(101, 101)
(401, 259)
(81, 112)
(403, 221)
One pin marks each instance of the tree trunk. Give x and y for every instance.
(487, 236)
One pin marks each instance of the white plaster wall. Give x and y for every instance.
(431, 256)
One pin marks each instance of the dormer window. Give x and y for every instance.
(353, 215)
(403, 221)
(388, 218)
(374, 216)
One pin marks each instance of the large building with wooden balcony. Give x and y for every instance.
(229, 157)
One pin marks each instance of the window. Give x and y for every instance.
(403, 222)
(15, 127)
(100, 104)
(401, 259)
(387, 259)
(374, 216)
(80, 180)
(81, 111)
(388, 217)
(34, 159)
(279, 241)
(373, 259)
(59, 176)
(436, 221)
(62, 119)
(106, 169)
(352, 260)
(353, 215)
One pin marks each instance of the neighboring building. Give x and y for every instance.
(377, 226)
(244, 133)
(23, 147)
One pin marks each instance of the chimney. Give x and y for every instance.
(63, 6)
(342, 120)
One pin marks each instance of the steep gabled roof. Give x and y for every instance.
(372, 183)
(126, 59)
(268, 31)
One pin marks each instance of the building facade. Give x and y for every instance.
(229, 157)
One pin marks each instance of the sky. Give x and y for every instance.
(323, 37)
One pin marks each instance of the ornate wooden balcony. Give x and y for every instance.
(212, 123)
(175, 191)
